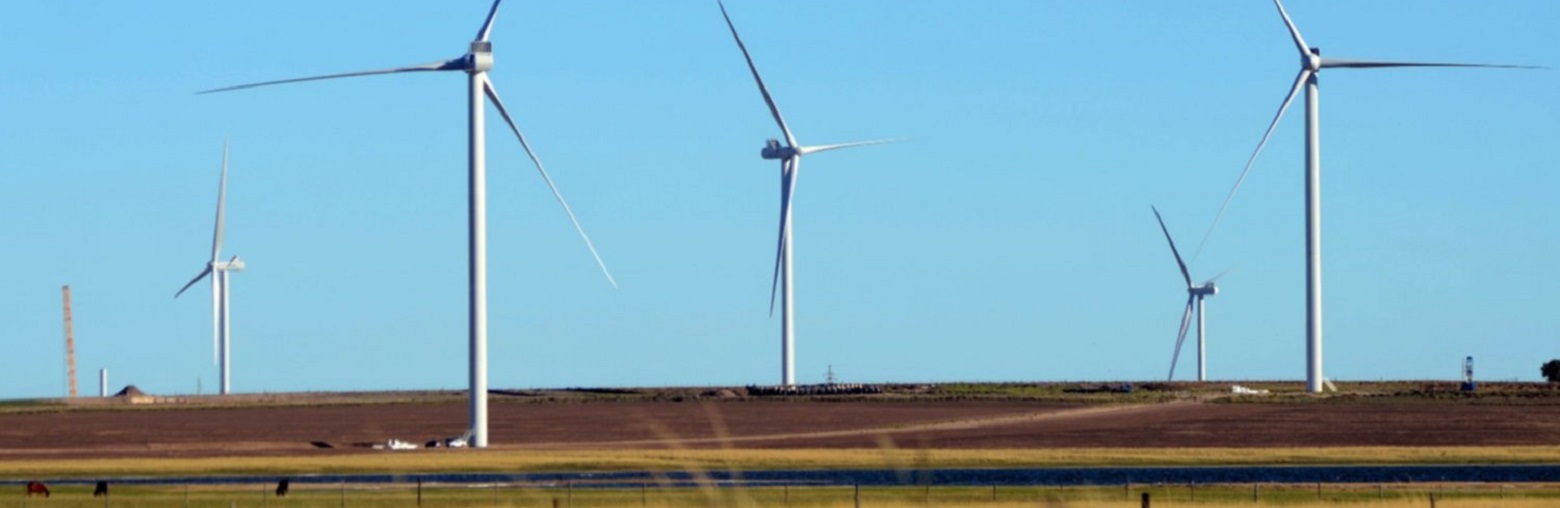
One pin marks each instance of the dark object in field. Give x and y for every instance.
(130, 391)
(281, 488)
(100, 490)
(321, 444)
(1551, 371)
(37, 489)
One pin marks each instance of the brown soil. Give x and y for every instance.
(171, 431)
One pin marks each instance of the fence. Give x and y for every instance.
(628, 495)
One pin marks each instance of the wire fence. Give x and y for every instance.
(645, 495)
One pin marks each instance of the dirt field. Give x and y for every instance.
(175, 430)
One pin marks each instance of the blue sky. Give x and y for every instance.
(1009, 240)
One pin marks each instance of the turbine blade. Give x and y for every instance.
(487, 26)
(446, 65)
(787, 187)
(1177, 253)
(773, 109)
(1300, 80)
(1366, 64)
(824, 148)
(492, 93)
(198, 277)
(216, 236)
(1186, 322)
(1294, 32)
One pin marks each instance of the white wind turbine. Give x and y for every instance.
(219, 270)
(475, 63)
(790, 157)
(1311, 64)
(1194, 295)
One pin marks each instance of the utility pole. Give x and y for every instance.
(70, 345)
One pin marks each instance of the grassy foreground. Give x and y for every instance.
(517, 460)
(334, 496)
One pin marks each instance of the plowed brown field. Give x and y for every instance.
(177, 431)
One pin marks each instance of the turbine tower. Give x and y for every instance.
(1194, 294)
(1311, 65)
(219, 270)
(790, 157)
(476, 63)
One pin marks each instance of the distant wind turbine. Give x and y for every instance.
(218, 270)
(1311, 65)
(790, 157)
(1194, 295)
(475, 63)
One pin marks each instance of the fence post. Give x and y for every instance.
(1193, 488)
(993, 493)
(786, 493)
(1146, 502)
(858, 495)
(264, 501)
(1432, 500)
(571, 493)
(343, 494)
(419, 491)
(1254, 495)
(642, 494)
(1318, 490)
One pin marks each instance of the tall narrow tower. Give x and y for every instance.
(70, 345)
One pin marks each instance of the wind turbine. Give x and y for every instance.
(790, 157)
(218, 270)
(1194, 295)
(1311, 65)
(475, 63)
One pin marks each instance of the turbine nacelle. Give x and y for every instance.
(480, 59)
(231, 265)
(1207, 289)
(774, 150)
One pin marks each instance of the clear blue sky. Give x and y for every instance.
(1010, 240)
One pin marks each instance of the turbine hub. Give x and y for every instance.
(773, 150)
(480, 59)
(1312, 60)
